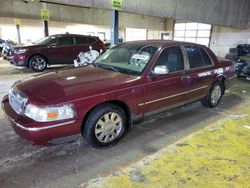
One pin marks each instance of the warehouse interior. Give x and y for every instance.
(189, 146)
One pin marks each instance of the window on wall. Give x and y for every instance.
(101, 35)
(192, 32)
(135, 34)
(91, 33)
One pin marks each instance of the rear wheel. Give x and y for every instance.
(214, 96)
(105, 126)
(38, 63)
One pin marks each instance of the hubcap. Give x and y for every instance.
(108, 127)
(216, 94)
(39, 63)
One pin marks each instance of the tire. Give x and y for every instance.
(37, 63)
(100, 130)
(214, 96)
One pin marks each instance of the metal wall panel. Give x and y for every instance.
(74, 14)
(233, 13)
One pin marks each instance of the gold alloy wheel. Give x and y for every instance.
(108, 127)
(216, 94)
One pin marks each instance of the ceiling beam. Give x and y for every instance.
(233, 13)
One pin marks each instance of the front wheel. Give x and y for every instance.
(214, 96)
(38, 63)
(105, 126)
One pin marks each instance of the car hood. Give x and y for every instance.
(62, 86)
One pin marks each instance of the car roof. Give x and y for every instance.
(162, 43)
(76, 35)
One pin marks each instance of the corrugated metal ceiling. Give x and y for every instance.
(233, 13)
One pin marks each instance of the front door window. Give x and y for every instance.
(65, 41)
(171, 58)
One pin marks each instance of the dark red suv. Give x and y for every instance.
(54, 49)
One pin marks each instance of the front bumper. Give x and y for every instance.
(19, 60)
(37, 132)
(19, 63)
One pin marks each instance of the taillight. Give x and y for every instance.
(101, 45)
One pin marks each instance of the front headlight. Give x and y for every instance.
(49, 113)
(20, 51)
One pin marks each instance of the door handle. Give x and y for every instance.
(52, 46)
(185, 78)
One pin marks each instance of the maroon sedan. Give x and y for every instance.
(129, 81)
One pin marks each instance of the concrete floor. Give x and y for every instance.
(74, 163)
(216, 156)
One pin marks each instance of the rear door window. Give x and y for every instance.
(92, 40)
(206, 58)
(84, 40)
(172, 58)
(194, 56)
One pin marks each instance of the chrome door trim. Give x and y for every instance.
(171, 96)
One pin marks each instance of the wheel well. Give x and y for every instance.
(47, 61)
(222, 80)
(121, 104)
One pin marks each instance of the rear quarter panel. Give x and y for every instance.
(224, 70)
(227, 70)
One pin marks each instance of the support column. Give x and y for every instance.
(114, 27)
(45, 17)
(46, 28)
(18, 33)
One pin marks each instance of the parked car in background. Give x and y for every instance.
(54, 49)
(129, 81)
(243, 69)
(108, 43)
(241, 57)
(241, 52)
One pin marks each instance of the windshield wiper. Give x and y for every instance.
(108, 67)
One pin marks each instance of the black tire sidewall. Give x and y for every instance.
(31, 66)
(94, 116)
(210, 93)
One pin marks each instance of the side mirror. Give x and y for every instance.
(160, 70)
(52, 45)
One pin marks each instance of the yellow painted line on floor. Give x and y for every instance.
(216, 156)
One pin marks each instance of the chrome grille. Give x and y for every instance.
(17, 101)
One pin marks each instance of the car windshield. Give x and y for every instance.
(45, 40)
(127, 58)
